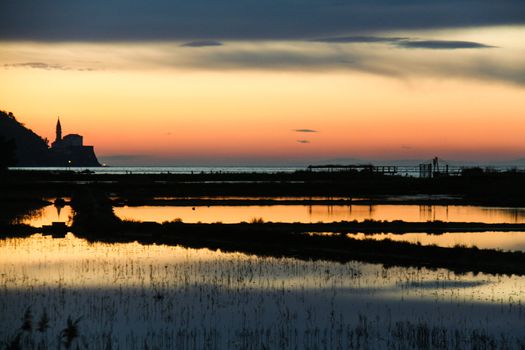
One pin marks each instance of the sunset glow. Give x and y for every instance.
(241, 102)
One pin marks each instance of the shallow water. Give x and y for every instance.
(259, 198)
(323, 213)
(47, 215)
(511, 241)
(131, 295)
(171, 169)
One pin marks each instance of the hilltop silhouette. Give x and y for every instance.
(20, 146)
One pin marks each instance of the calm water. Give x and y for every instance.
(47, 215)
(409, 171)
(512, 241)
(483, 240)
(323, 213)
(172, 169)
(131, 296)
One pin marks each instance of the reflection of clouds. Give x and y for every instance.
(324, 213)
(48, 215)
(117, 284)
(202, 265)
(511, 241)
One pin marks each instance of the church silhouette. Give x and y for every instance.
(69, 151)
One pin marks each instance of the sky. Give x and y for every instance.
(275, 82)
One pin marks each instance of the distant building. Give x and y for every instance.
(70, 150)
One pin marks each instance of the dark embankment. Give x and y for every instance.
(263, 240)
(472, 187)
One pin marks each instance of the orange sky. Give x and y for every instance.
(188, 111)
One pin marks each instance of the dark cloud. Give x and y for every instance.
(360, 39)
(36, 65)
(305, 130)
(441, 44)
(273, 58)
(42, 65)
(202, 43)
(493, 65)
(139, 20)
(406, 42)
(303, 141)
(490, 68)
(304, 59)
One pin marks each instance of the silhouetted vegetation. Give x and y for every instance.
(264, 240)
(70, 333)
(364, 333)
(25, 338)
(31, 149)
(7, 153)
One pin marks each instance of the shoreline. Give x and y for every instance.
(488, 189)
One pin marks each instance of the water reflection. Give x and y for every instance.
(513, 241)
(42, 260)
(147, 294)
(259, 198)
(323, 213)
(47, 215)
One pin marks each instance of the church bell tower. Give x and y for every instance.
(59, 131)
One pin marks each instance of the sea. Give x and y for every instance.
(170, 169)
(403, 170)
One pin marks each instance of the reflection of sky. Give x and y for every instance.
(48, 215)
(41, 260)
(153, 290)
(324, 213)
(253, 198)
(483, 240)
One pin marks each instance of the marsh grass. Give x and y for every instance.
(257, 221)
(135, 296)
(25, 338)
